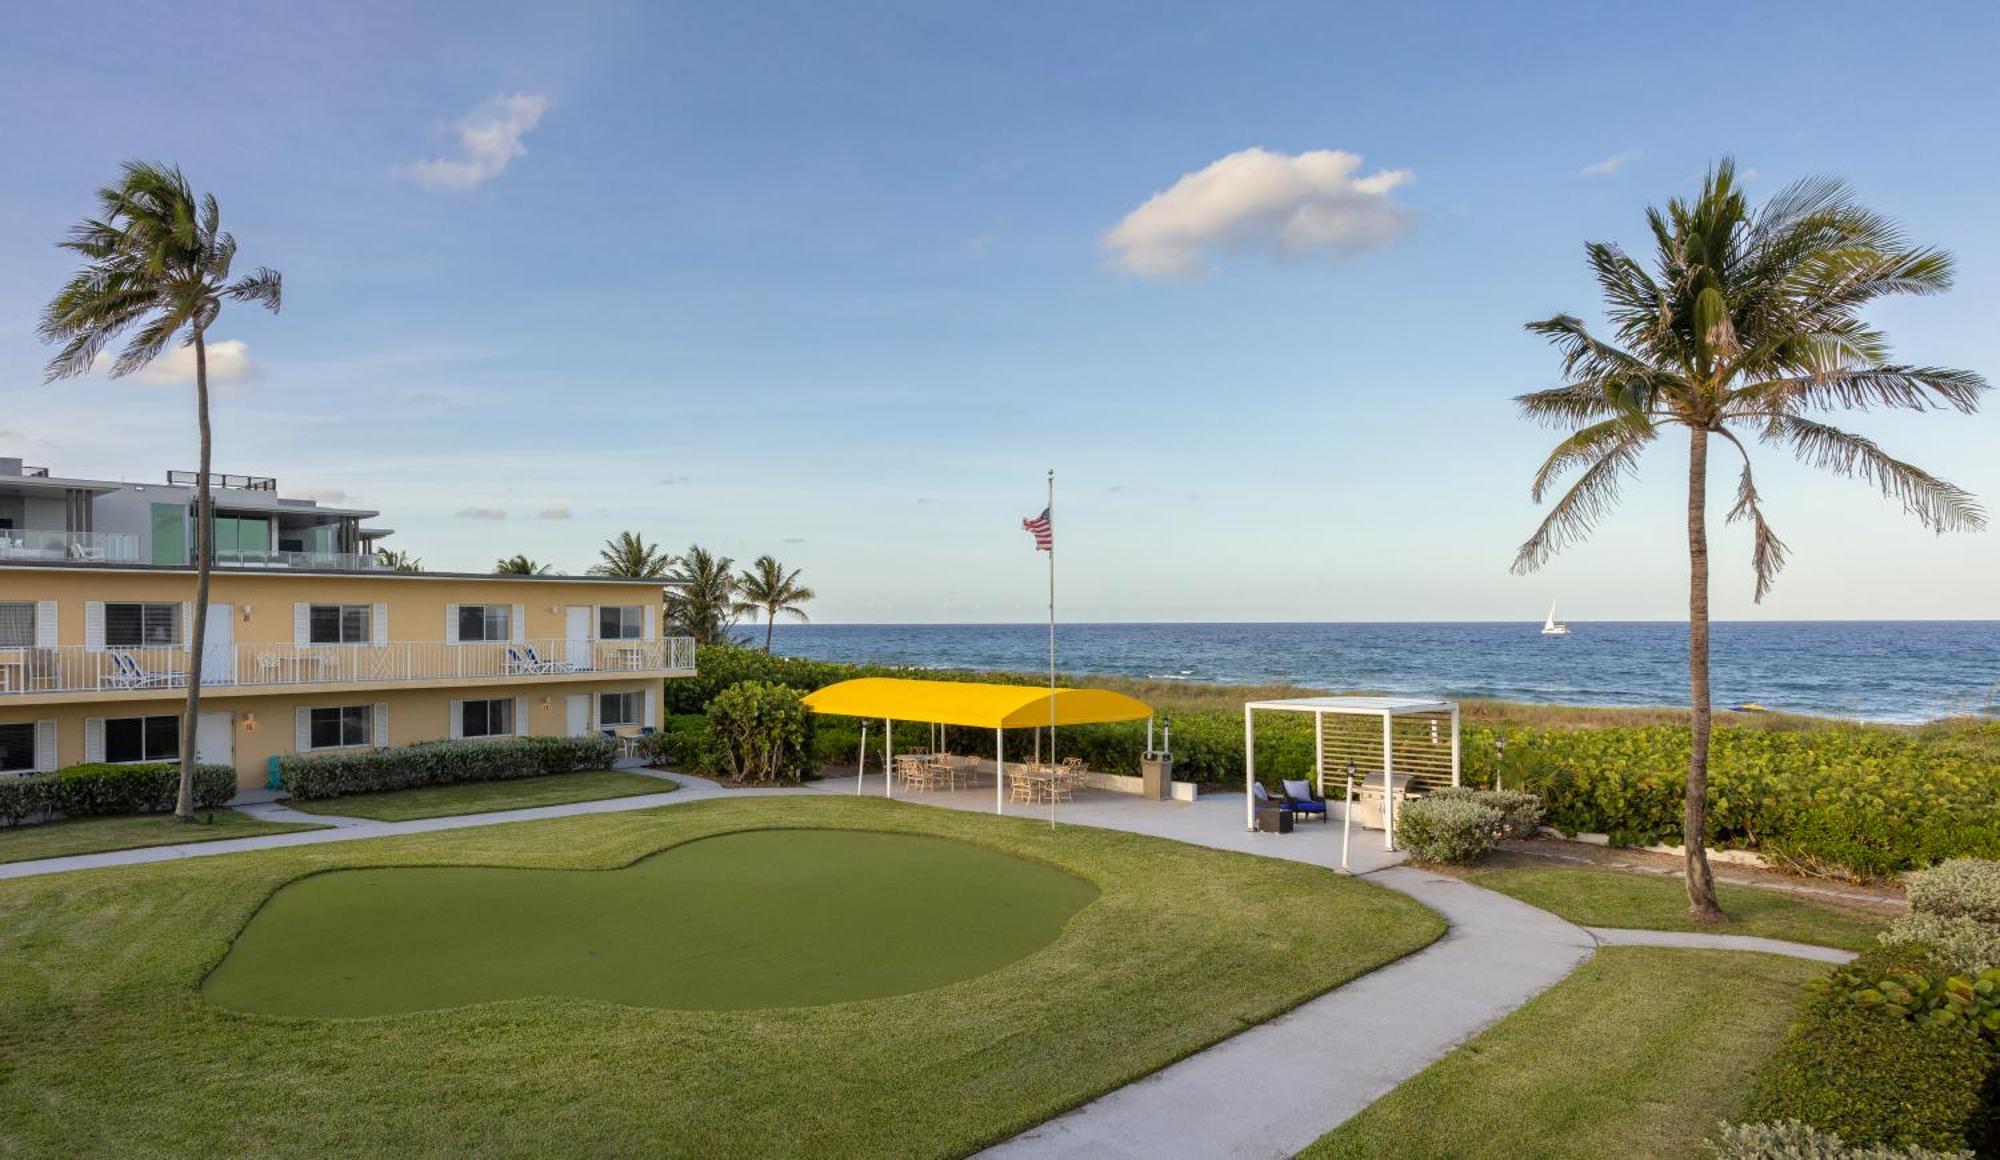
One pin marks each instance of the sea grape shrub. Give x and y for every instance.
(1960, 888)
(312, 776)
(1520, 813)
(761, 733)
(1792, 1140)
(1449, 830)
(1846, 801)
(682, 744)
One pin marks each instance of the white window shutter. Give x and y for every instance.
(378, 625)
(652, 708)
(652, 623)
(93, 625)
(45, 745)
(520, 623)
(301, 623)
(184, 631)
(520, 716)
(451, 627)
(45, 624)
(381, 725)
(93, 739)
(457, 719)
(302, 729)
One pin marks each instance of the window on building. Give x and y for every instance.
(17, 624)
(341, 624)
(142, 738)
(493, 718)
(142, 625)
(346, 725)
(17, 747)
(615, 709)
(485, 622)
(621, 622)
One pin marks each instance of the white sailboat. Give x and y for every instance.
(1552, 626)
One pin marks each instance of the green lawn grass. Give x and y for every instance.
(479, 797)
(1639, 1053)
(96, 835)
(108, 1046)
(1621, 898)
(736, 921)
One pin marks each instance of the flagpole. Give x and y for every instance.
(1052, 648)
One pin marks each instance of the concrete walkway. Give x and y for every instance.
(1692, 940)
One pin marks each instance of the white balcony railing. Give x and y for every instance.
(320, 561)
(28, 544)
(32, 671)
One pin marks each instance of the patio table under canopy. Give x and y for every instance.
(973, 704)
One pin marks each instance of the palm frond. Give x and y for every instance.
(1767, 552)
(1594, 493)
(265, 287)
(1938, 504)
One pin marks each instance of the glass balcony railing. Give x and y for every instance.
(28, 544)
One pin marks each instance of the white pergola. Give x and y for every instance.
(1421, 747)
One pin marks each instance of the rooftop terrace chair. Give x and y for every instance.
(1300, 794)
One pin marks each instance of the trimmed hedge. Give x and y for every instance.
(1876, 1064)
(104, 790)
(1791, 1140)
(324, 775)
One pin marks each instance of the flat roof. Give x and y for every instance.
(1375, 706)
(56, 484)
(354, 573)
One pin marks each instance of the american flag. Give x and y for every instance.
(1044, 530)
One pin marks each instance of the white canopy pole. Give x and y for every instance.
(861, 766)
(999, 771)
(1388, 781)
(1319, 751)
(888, 758)
(1249, 770)
(1454, 744)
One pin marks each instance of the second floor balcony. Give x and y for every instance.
(267, 667)
(30, 545)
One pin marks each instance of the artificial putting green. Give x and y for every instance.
(762, 918)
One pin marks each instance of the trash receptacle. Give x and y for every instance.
(1156, 772)
(1275, 818)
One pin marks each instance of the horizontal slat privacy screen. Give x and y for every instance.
(1422, 747)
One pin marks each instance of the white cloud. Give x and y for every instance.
(1607, 166)
(480, 513)
(230, 371)
(558, 512)
(1257, 201)
(489, 138)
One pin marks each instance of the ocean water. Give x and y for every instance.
(1870, 670)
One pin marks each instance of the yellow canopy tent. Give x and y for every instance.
(973, 704)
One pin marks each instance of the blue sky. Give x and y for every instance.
(840, 282)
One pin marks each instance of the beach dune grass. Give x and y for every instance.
(735, 921)
(109, 1046)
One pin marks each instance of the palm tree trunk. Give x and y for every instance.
(1694, 822)
(770, 624)
(203, 531)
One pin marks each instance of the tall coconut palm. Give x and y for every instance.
(701, 596)
(520, 565)
(766, 587)
(156, 258)
(1746, 326)
(630, 556)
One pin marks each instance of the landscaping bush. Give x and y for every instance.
(101, 789)
(1887, 1050)
(1447, 829)
(1964, 944)
(761, 732)
(682, 744)
(1520, 813)
(324, 775)
(1792, 1140)
(1959, 888)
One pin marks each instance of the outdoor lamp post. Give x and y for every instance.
(1499, 759)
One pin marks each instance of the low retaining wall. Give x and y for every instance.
(1736, 857)
(1181, 791)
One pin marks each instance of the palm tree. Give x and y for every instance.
(397, 561)
(156, 257)
(519, 565)
(1749, 324)
(766, 587)
(701, 596)
(630, 556)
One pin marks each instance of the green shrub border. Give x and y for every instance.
(312, 777)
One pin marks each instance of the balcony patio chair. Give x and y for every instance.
(1304, 804)
(126, 674)
(537, 665)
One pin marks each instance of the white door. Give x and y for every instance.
(577, 631)
(218, 646)
(215, 738)
(579, 714)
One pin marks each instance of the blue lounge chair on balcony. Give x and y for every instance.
(522, 658)
(127, 674)
(1300, 794)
